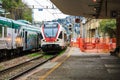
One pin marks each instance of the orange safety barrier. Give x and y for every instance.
(89, 45)
(74, 44)
(95, 44)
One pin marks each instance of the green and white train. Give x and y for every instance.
(16, 37)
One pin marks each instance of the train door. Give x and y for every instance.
(14, 36)
(2, 42)
(41, 38)
(38, 40)
(25, 39)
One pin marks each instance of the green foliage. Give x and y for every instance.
(27, 14)
(34, 55)
(108, 26)
(62, 51)
(1, 67)
(17, 9)
(47, 56)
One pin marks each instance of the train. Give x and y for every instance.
(17, 36)
(54, 37)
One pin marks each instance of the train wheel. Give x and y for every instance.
(5, 53)
(15, 53)
(21, 51)
(9, 54)
(18, 51)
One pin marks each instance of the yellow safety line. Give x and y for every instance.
(55, 67)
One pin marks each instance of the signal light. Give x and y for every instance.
(77, 20)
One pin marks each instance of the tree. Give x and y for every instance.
(108, 26)
(27, 13)
(17, 9)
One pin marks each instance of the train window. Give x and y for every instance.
(18, 30)
(15, 30)
(0, 31)
(25, 36)
(41, 37)
(60, 36)
(5, 31)
(50, 32)
(51, 25)
(23, 33)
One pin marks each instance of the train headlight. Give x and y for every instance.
(56, 40)
(44, 40)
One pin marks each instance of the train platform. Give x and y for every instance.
(77, 65)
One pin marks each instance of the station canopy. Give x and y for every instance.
(89, 8)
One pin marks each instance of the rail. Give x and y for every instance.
(20, 69)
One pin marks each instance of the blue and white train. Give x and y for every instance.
(16, 37)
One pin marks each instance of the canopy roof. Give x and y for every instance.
(89, 8)
(24, 21)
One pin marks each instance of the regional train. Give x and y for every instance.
(16, 37)
(54, 37)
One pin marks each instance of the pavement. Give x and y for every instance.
(86, 66)
(77, 65)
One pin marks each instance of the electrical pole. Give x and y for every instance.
(33, 14)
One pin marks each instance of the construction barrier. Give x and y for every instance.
(95, 44)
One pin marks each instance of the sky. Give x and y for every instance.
(40, 13)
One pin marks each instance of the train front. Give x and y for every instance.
(50, 32)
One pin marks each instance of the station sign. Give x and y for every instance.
(77, 20)
(40, 9)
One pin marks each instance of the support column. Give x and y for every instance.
(118, 32)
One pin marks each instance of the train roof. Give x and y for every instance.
(51, 22)
(16, 24)
(24, 21)
(8, 22)
(5, 22)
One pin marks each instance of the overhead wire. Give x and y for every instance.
(53, 6)
(44, 7)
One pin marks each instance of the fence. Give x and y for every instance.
(95, 45)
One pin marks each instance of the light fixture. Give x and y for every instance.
(94, 0)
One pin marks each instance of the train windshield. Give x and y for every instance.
(50, 30)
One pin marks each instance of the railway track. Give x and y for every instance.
(23, 53)
(20, 69)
